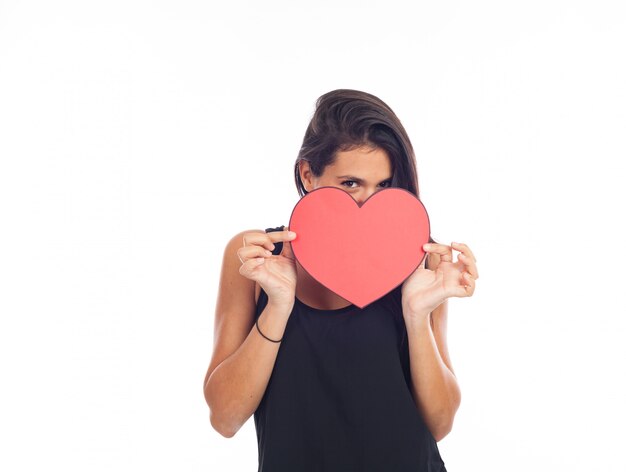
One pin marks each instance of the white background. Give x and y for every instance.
(137, 137)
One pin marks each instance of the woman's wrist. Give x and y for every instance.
(281, 306)
(415, 312)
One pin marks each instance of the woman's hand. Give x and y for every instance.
(425, 289)
(275, 274)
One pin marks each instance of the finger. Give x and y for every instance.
(266, 239)
(258, 239)
(466, 285)
(464, 248)
(443, 250)
(281, 236)
(247, 269)
(470, 283)
(249, 252)
(285, 235)
(470, 264)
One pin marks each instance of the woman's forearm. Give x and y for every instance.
(236, 386)
(435, 388)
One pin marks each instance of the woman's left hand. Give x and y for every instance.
(425, 289)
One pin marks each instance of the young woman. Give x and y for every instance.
(334, 387)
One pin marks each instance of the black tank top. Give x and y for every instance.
(339, 397)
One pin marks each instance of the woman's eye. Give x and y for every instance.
(384, 184)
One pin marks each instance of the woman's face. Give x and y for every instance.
(361, 172)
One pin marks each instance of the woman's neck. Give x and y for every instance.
(310, 292)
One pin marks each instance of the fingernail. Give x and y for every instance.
(426, 246)
(292, 234)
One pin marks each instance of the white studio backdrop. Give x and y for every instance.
(136, 138)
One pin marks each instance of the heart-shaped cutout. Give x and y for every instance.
(361, 253)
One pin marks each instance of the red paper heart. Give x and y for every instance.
(361, 253)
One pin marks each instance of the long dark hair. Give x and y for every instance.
(345, 119)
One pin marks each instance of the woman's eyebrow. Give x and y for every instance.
(356, 179)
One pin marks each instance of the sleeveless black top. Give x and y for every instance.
(339, 397)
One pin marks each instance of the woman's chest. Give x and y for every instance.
(360, 342)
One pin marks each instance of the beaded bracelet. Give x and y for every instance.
(259, 330)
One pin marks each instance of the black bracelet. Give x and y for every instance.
(259, 329)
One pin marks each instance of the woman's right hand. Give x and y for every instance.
(275, 274)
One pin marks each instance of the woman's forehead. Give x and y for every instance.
(364, 163)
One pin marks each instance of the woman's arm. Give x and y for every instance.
(434, 383)
(242, 360)
(435, 388)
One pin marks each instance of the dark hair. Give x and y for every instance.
(345, 119)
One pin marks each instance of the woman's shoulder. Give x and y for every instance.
(237, 239)
(275, 228)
